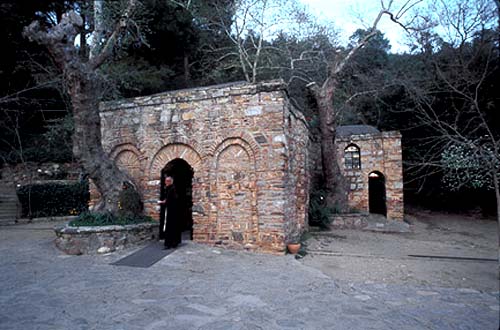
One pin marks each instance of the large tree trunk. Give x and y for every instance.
(82, 86)
(82, 80)
(334, 180)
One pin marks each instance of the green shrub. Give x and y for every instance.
(319, 212)
(53, 199)
(130, 201)
(108, 219)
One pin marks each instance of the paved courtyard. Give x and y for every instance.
(199, 287)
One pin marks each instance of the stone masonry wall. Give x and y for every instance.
(379, 152)
(297, 180)
(236, 139)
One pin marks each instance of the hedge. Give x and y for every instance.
(107, 219)
(54, 199)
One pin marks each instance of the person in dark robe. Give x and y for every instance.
(170, 227)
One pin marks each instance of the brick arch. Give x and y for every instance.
(179, 139)
(232, 142)
(173, 151)
(128, 162)
(128, 159)
(125, 146)
(243, 138)
(234, 175)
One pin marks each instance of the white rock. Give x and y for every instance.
(103, 249)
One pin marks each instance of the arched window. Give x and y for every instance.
(352, 157)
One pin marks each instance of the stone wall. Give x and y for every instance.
(381, 153)
(297, 179)
(101, 239)
(349, 221)
(244, 144)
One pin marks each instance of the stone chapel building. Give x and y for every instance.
(238, 153)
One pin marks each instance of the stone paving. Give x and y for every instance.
(199, 287)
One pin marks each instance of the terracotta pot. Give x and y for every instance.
(293, 248)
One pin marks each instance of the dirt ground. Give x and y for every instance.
(441, 250)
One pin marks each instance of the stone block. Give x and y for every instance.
(253, 110)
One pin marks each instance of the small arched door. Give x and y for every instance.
(182, 173)
(376, 193)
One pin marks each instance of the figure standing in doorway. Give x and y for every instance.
(170, 228)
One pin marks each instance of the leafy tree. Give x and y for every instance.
(454, 97)
(30, 88)
(83, 82)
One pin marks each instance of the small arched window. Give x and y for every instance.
(352, 157)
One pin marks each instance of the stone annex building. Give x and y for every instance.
(372, 163)
(239, 157)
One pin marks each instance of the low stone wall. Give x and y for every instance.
(349, 221)
(101, 239)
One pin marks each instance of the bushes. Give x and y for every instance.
(54, 199)
(319, 211)
(130, 203)
(107, 219)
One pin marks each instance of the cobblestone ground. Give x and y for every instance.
(199, 287)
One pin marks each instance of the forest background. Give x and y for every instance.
(442, 94)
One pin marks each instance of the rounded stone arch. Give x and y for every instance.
(126, 144)
(199, 184)
(224, 143)
(234, 174)
(240, 137)
(128, 158)
(377, 198)
(178, 139)
(172, 151)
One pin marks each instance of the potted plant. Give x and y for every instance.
(293, 244)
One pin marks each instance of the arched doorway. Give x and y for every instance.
(235, 196)
(376, 193)
(182, 173)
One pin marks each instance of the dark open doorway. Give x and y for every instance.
(182, 173)
(376, 193)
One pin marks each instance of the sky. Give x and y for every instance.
(349, 15)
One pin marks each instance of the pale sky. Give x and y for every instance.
(345, 16)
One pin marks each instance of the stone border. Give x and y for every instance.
(101, 239)
(349, 221)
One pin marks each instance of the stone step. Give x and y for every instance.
(8, 193)
(8, 210)
(6, 202)
(8, 206)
